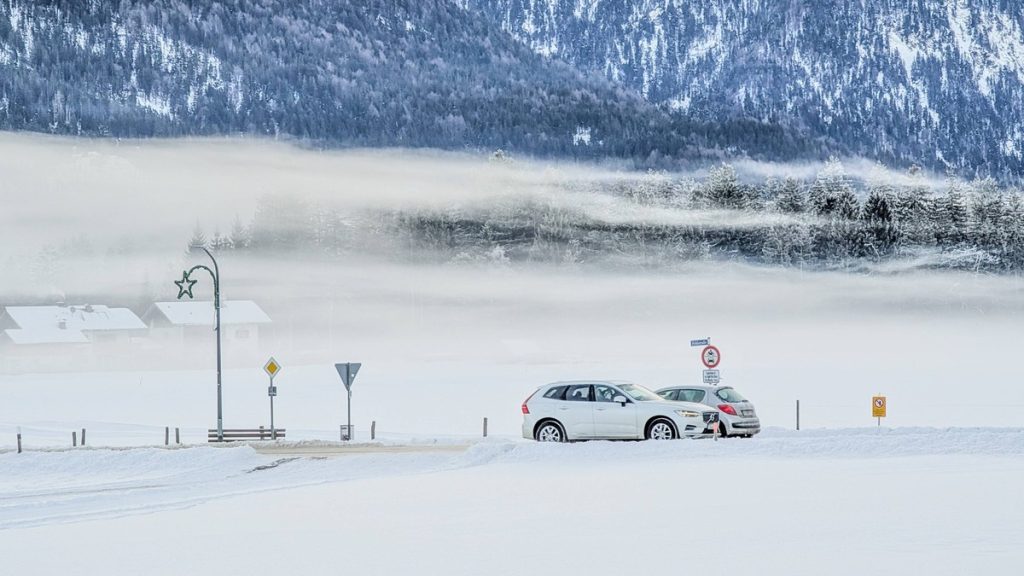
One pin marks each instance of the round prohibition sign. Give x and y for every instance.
(879, 402)
(711, 357)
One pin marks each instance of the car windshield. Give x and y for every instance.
(730, 395)
(639, 393)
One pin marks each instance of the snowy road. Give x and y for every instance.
(838, 502)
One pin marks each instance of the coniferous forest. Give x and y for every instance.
(830, 222)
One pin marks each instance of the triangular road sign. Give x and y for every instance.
(348, 372)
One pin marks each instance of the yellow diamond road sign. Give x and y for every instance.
(272, 367)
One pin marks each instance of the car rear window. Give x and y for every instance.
(556, 393)
(669, 394)
(730, 395)
(691, 395)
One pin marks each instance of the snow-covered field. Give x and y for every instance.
(855, 501)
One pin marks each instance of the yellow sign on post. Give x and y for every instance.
(272, 367)
(878, 406)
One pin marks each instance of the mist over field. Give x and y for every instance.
(104, 222)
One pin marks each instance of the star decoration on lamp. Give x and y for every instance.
(185, 286)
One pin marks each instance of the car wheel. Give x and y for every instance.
(661, 429)
(549, 432)
(721, 430)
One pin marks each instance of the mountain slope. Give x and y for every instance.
(379, 72)
(939, 82)
(342, 72)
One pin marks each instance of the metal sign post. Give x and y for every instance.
(272, 368)
(348, 372)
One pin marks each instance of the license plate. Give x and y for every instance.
(747, 412)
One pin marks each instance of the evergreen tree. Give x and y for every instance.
(985, 212)
(791, 198)
(198, 239)
(883, 233)
(952, 216)
(832, 194)
(240, 237)
(723, 190)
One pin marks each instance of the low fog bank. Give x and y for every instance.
(442, 321)
(391, 244)
(78, 213)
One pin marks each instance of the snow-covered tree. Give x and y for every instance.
(787, 244)
(198, 238)
(723, 190)
(791, 198)
(832, 194)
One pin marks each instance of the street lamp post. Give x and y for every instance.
(185, 289)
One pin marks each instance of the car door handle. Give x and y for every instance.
(563, 407)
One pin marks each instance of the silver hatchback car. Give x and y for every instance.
(737, 415)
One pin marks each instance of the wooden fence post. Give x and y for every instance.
(373, 430)
(485, 427)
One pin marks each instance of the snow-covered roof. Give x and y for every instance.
(193, 313)
(67, 324)
(87, 317)
(46, 336)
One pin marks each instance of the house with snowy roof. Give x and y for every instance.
(64, 336)
(64, 324)
(190, 320)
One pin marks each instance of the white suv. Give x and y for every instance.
(607, 410)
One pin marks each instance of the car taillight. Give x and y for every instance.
(526, 409)
(723, 407)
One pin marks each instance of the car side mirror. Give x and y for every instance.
(620, 399)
